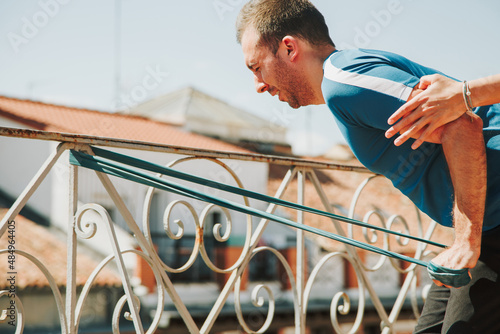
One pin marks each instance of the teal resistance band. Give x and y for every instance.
(155, 168)
(450, 277)
(88, 161)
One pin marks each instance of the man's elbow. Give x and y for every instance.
(469, 124)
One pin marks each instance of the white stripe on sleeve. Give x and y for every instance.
(381, 85)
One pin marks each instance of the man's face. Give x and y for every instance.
(274, 73)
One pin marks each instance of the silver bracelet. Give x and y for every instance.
(467, 96)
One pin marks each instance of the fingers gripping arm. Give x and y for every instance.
(440, 102)
(434, 102)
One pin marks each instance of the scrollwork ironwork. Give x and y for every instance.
(53, 286)
(259, 301)
(335, 306)
(200, 222)
(93, 276)
(105, 219)
(18, 310)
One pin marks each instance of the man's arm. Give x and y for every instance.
(441, 102)
(463, 145)
(485, 91)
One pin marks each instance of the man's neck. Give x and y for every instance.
(321, 55)
(326, 52)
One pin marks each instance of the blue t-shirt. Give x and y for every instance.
(363, 88)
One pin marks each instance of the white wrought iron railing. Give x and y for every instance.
(300, 279)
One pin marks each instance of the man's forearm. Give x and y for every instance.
(464, 148)
(485, 91)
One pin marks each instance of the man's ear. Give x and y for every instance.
(290, 47)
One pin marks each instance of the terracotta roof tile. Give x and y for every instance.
(56, 118)
(40, 242)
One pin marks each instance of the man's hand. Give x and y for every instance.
(458, 256)
(440, 102)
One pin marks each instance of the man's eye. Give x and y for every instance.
(257, 69)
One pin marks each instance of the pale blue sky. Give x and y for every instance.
(64, 53)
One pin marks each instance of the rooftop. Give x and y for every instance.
(51, 251)
(201, 113)
(49, 117)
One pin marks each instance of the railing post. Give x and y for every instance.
(301, 328)
(256, 236)
(72, 188)
(354, 255)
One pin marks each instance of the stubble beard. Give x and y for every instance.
(297, 90)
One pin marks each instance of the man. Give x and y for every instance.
(286, 45)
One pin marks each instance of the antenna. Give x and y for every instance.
(118, 14)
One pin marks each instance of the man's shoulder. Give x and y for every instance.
(358, 82)
(351, 58)
(358, 71)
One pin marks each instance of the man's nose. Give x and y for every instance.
(260, 86)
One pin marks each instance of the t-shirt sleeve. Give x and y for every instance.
(366, 94)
